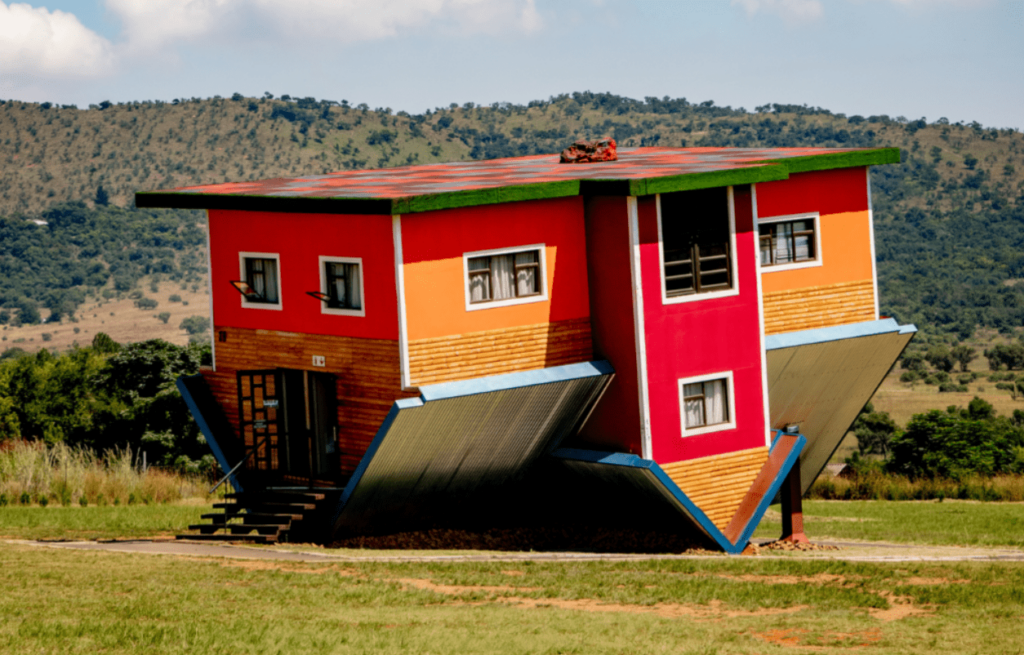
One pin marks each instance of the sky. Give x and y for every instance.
(958, 59)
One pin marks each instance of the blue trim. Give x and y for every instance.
(837, 333)
(508, 381)
(634, 461)
(204, 427)
(766, 500)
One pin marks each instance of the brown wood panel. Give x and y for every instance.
(367, 373)
(477, 354)
(717, 484)
(816, 307)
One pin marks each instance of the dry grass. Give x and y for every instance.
(879, 486)
(127, 324)
(61, 474)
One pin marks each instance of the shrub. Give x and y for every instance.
(909, 376)
(83, 501)
(3, 500)
(948, 387)
(43, 501)
(174, 298)
(25, 498)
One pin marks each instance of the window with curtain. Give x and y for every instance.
(696, 242)
(261, 275)
(344, 289)
(787, 242)
(705, 403)
(504, 277)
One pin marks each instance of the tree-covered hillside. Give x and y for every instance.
(949, 221)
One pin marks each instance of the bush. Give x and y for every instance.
(146, 303)
(950, 387)
(164, 316)
(909, 376)
(3, 500)
(83, 501)
(25, 498)
(174, 298)
(43, 501)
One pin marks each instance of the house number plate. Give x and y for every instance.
(319, 361)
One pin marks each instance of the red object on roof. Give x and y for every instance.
(583, 152)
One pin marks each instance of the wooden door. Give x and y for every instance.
(259, 420)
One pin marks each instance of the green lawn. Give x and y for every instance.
(952, 522)
(87, 602)
(98, 522)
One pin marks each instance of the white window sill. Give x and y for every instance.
(694, 297)
(767, 268)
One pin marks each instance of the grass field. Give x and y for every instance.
(86, 602)
(65, 601)
(952, 522)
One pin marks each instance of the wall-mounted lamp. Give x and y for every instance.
(246, 290)
(319, 295)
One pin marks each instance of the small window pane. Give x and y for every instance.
(261, 274)
(502, 275)
(479, 283)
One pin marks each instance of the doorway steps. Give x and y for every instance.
(267, 517)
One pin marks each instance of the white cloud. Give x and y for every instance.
(154, 24)
(36, 42)
(792, 11)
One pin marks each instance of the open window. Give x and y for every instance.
(510, 276)
(697, 236)
(341, 286)
(707, 403)
(788, 242)
(260, 283)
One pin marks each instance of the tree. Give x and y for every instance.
(102, 199)
(913, 361)
(956, 443)
(195, 325)
(102, 343)
(963, 354)
(164, 316)
(874, 431)
(940, 357)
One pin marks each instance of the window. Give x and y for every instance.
(341, 284)
(505, 277)
(696, 230)
(261, 272)
(788, 241)
(706, 403)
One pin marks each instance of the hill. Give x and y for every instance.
(949, 218)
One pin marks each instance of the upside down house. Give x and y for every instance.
(680, 336)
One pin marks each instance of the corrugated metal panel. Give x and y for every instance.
(820, 380)
(460, 439)
(642, 488)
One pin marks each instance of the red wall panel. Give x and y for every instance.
(615, 423)
(300, 239)
(699, 337)
(827, 192)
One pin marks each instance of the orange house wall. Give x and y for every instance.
(447, 341)
(842, 289)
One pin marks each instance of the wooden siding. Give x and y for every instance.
(492, 352)
(817, 307)
(717, 484)
(367, 373)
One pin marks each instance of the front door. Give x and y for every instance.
(310, 426)
(259, 420)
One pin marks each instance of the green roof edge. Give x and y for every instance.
(707, 180)
(476, 197)
(872, 157)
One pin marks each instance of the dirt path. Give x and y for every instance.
(848, 551)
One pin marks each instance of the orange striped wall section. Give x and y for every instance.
(717, 484)
(817, 307)
(492, 352)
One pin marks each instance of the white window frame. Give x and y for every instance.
(730, 399)
(491, 304)
(322, 261)
(733, 269)
(242, 256)
(818, 259)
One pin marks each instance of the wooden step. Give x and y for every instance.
(277, 496)
(250, 517)
(246, 528)
(229, 507)
(252, 538)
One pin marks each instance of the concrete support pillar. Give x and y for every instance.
(793, 508)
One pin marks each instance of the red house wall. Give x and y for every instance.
(615, 423)
(699, 337)
(300, 239)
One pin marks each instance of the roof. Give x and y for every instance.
(409, 189)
